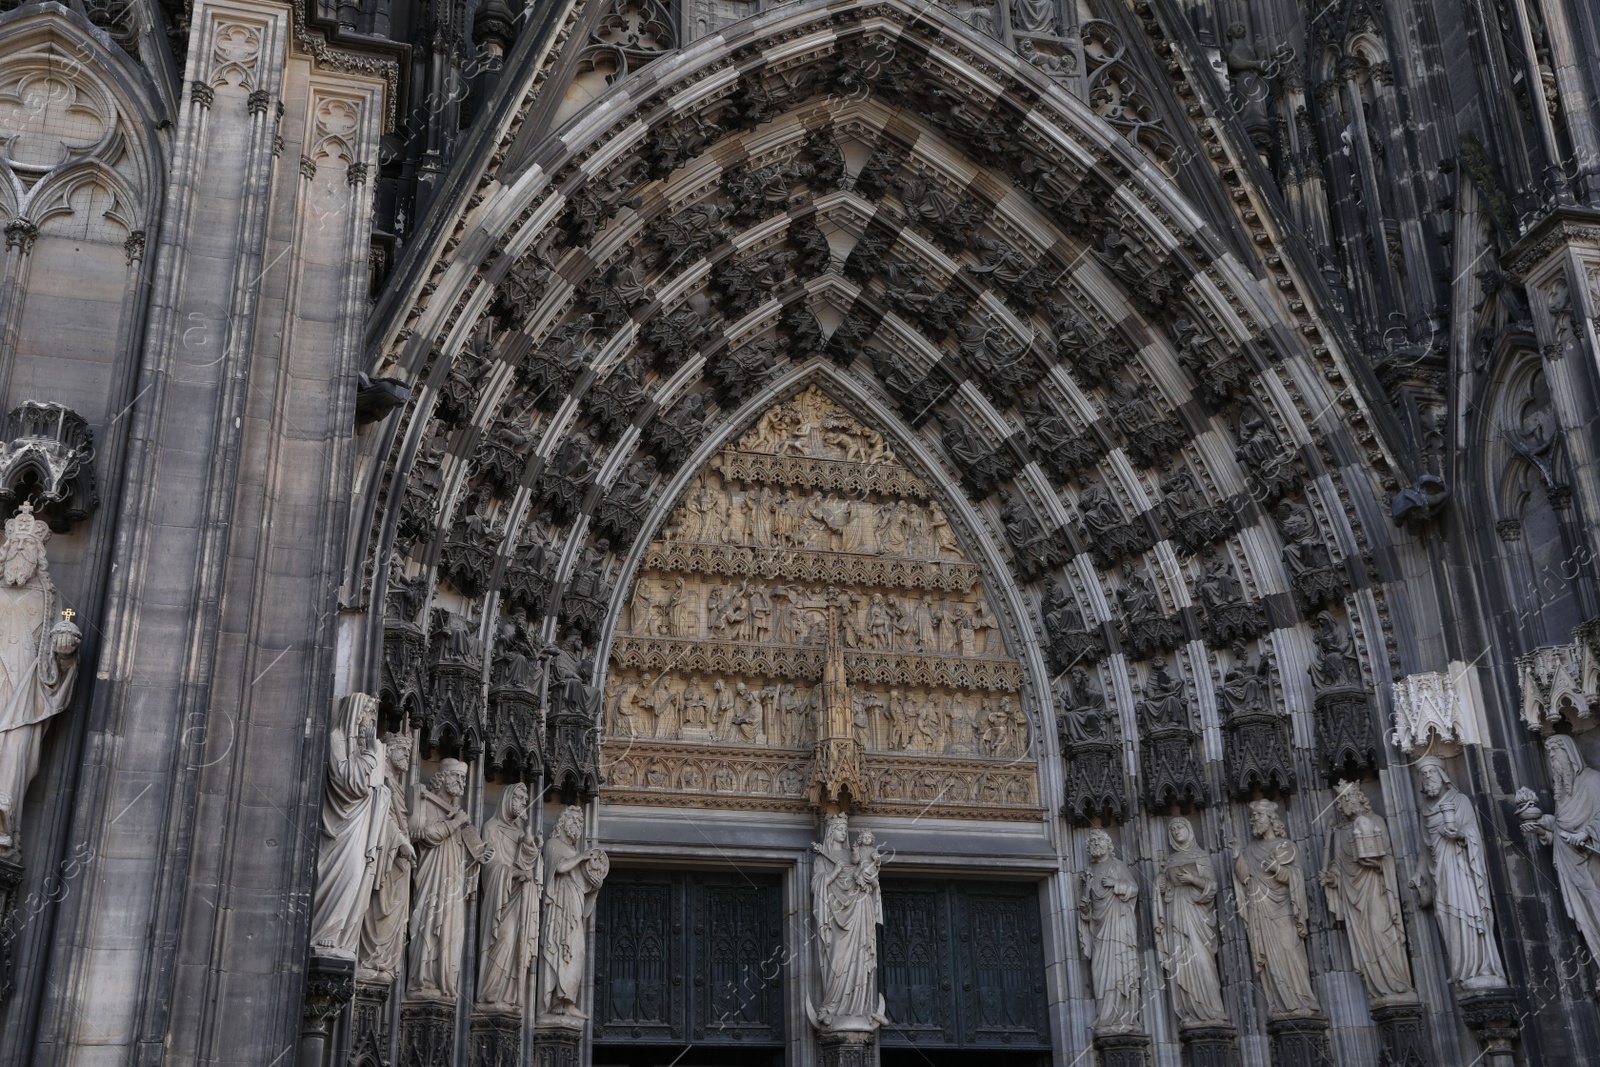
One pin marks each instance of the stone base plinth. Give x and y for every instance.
(496, 1039)
(1492, 1014)
(1301, 1041)
(369, 1026)
(1210, 1046)
(428, 1033)
(11, 872)
(556, 1046)
(1123, 1050)
(847, 1048)
(1404, 1035)
(330, 983)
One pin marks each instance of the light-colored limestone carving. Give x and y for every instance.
(39, 654)
(1270, 889)
(1108, 895)
(573, 876)
(1363, 893)
(383, 930)
(1186, 929)
(353, 805)
(1459, 884)
(847, 906)
(508, 925)
(714, 690)
(450, 851)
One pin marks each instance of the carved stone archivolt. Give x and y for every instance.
(810, 523)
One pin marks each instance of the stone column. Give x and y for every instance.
(369, 1026)
(496, 1039)
(1210, 1046)
(557, 1045)
(1123, 1050)
(330, 981)
(846, 1048)
(1493, 1016)
(428, 1033)
(1300, 1041)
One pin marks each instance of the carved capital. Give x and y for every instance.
(133, 247)
(258, 102)
(20, 234)
(357, 174)
(201, 94)
(308, 167)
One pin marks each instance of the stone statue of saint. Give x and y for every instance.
(450, 850)
(1108, 932)
(383, 930)
(1033, 16)
(1362, 894)
(1270, 889)
(1186, 929)
(847, 907)
(1460, 880)
(39, 655)
(572, 881)
(352, 809)
(508, 924)
(1573, 831)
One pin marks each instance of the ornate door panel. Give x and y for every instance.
(689, 956)
(963, 966)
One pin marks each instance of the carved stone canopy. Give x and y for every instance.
(1432, 708)
(1562, 682)
(48, 458)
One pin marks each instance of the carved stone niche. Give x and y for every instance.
(527, 578)
(620, 513)
(1255, 733)
(49, 459)
(1091, 746)
(469, 552)
(1070, 642)
(404, 649)
(1172, 775)
(1347, 743)
(452, 717)
(514, 732)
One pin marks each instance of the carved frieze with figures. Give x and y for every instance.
(714, 692)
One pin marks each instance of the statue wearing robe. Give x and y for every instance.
(1109, 935)
(1270, 890)
(1186, 929)
(446, 876)
(508, 924)
(1362, 894)
(383, 930)
(353, 804)
(1573, 831)
(1460, 880)
(572, 882)
(39, 657)
(847, 907)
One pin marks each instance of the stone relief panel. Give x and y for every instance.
(714, 691)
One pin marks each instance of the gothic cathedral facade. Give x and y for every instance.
(821, 533)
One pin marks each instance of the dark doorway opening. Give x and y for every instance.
(680, 1056)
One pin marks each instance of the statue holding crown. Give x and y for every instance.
(38, 662)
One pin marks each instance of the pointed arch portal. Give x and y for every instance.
(868, 223)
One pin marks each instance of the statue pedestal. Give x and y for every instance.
(1492, 1014)
(428, 1033)
(369, 1027)
(557, 1044)
(1300, 1041)
(496, 1039)
(1404, 1034)
(1210, 1046)
(11, 871)
(330, 982)
(847, 1048)
(1123, 1050)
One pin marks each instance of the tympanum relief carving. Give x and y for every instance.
(714, 691)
